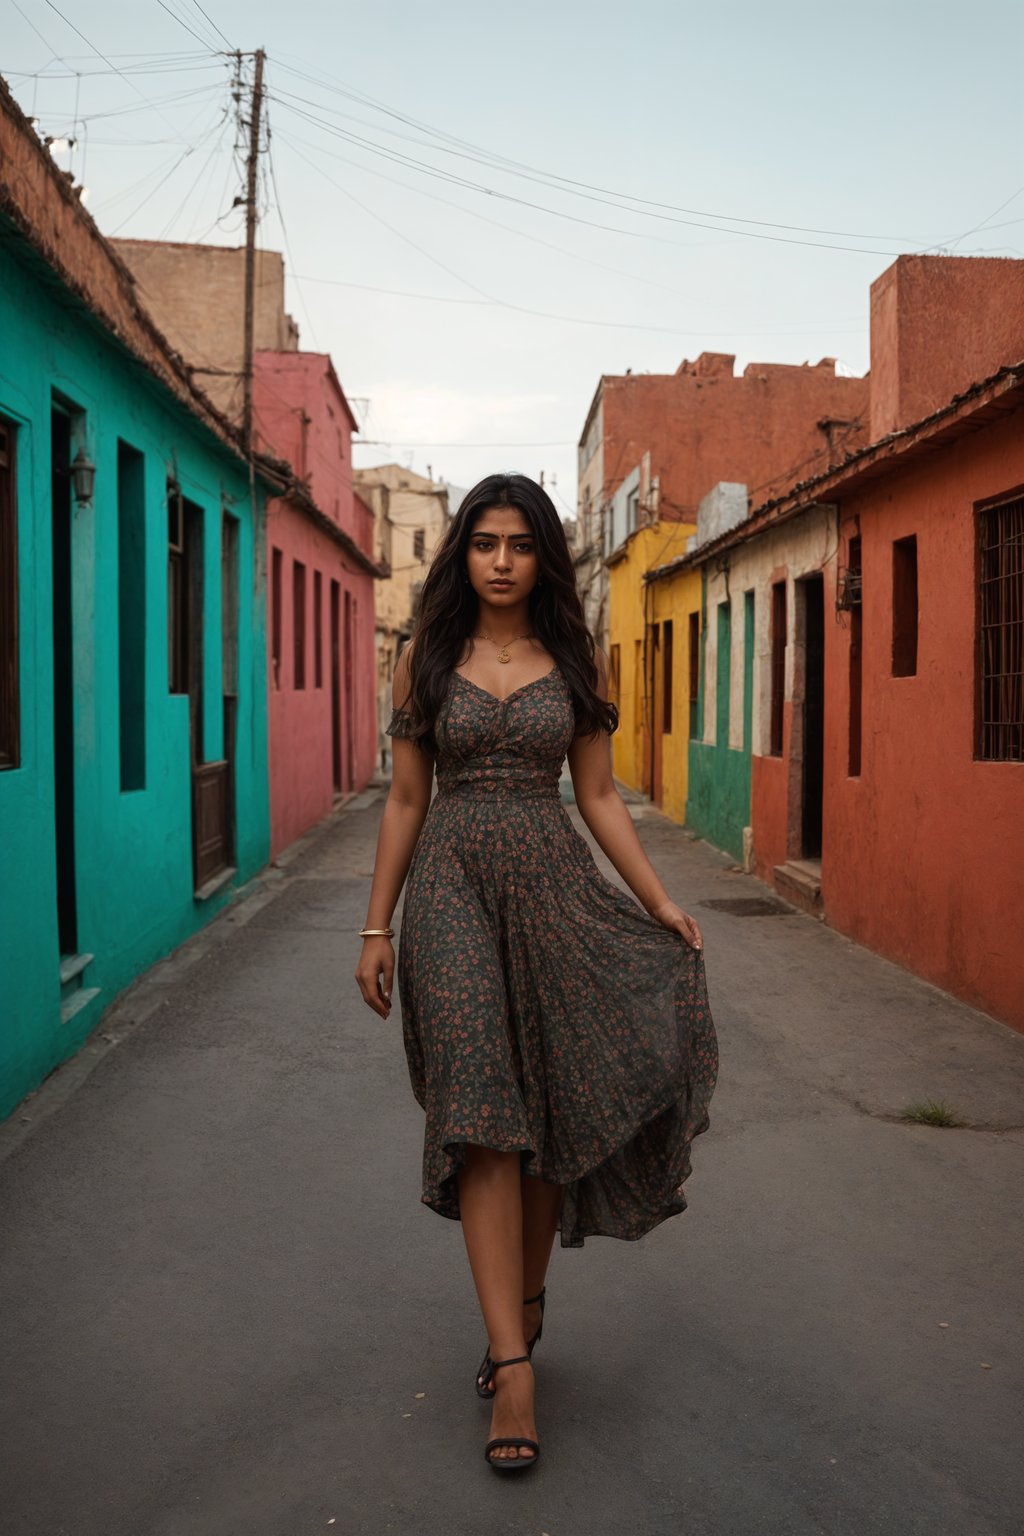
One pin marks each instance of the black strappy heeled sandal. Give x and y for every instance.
(484, 1375)
(511, 1463)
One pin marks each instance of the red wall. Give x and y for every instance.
(921, 855)
(769, 802)
(938, 324)
(703, 425)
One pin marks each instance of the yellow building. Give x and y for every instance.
(654, 649)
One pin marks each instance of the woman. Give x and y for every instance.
(558, 1035)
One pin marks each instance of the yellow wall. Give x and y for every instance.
(675, 599)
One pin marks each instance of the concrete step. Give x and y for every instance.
(799, 881)
(76, 1001)
(71, 968)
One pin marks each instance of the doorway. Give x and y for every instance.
(350, 733)
(63, 682)
(812, 773)
(336, 687)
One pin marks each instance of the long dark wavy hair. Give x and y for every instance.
(449, 607)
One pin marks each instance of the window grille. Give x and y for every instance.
(1001, 632)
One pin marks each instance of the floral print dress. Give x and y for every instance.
(544, 1011)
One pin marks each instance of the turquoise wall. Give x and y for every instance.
(133, 847)
(718, 798)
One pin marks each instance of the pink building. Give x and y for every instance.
(320, 596)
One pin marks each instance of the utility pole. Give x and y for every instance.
(250, 246)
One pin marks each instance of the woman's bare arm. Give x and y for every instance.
(405, 811)
(606, 816)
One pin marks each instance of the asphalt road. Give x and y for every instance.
(224, 1312)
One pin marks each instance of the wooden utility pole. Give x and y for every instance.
(250, 245)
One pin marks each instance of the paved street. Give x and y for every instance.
(225, 1313)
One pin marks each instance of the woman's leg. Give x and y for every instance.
(491, 1207)
(542, 1204)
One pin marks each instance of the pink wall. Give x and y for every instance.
(302, 784)
(301, 415)
(938, 324)
(921, 852)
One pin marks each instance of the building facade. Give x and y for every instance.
(869, 625)
(133, 727)
(685, 432)
(410, 518)
(320, 572)
(319, 559)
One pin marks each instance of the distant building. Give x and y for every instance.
(319, 556)
(653, 447)
(196, 293)
(410, 517)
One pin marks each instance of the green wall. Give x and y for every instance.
(718, 799)
(132, 844)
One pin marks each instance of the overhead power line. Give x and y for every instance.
(127, 78)
(589, 190)
(424, 168)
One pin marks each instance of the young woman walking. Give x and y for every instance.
(558, 1034)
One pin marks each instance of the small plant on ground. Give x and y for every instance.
(933, 1112)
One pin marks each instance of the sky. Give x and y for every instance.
(485, 208)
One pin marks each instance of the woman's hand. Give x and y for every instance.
(671, 916)
(375, 973)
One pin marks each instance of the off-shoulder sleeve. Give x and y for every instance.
(401, 724)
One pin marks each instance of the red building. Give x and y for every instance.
(320, 595)
(923, 743)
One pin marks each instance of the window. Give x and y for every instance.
(131, 614)
(694, 677)
(904, 607)
(632, 511)
(1000, 648)
(418, 544)
(299, 621)
(778, 664)
(276, 599)
(10, 707)
(177, 591)
(613, 674)
(666, 679)
(318, 630)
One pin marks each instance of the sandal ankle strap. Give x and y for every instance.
(517, 1360)
(531, 1300)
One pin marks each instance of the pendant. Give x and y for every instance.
(503, 654)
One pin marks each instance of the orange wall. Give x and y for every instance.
(703, 425)
(921, 856)
(938, 324)
(769, 801)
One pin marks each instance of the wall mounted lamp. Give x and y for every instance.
(83, 477)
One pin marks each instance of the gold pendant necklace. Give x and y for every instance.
(503, 654)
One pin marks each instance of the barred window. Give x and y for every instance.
(1000, 648)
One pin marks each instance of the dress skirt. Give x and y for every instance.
(544, 1011)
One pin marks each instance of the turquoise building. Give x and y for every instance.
(133, 729)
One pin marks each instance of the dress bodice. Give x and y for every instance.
(514, 745)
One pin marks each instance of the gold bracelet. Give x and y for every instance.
(384, 933)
